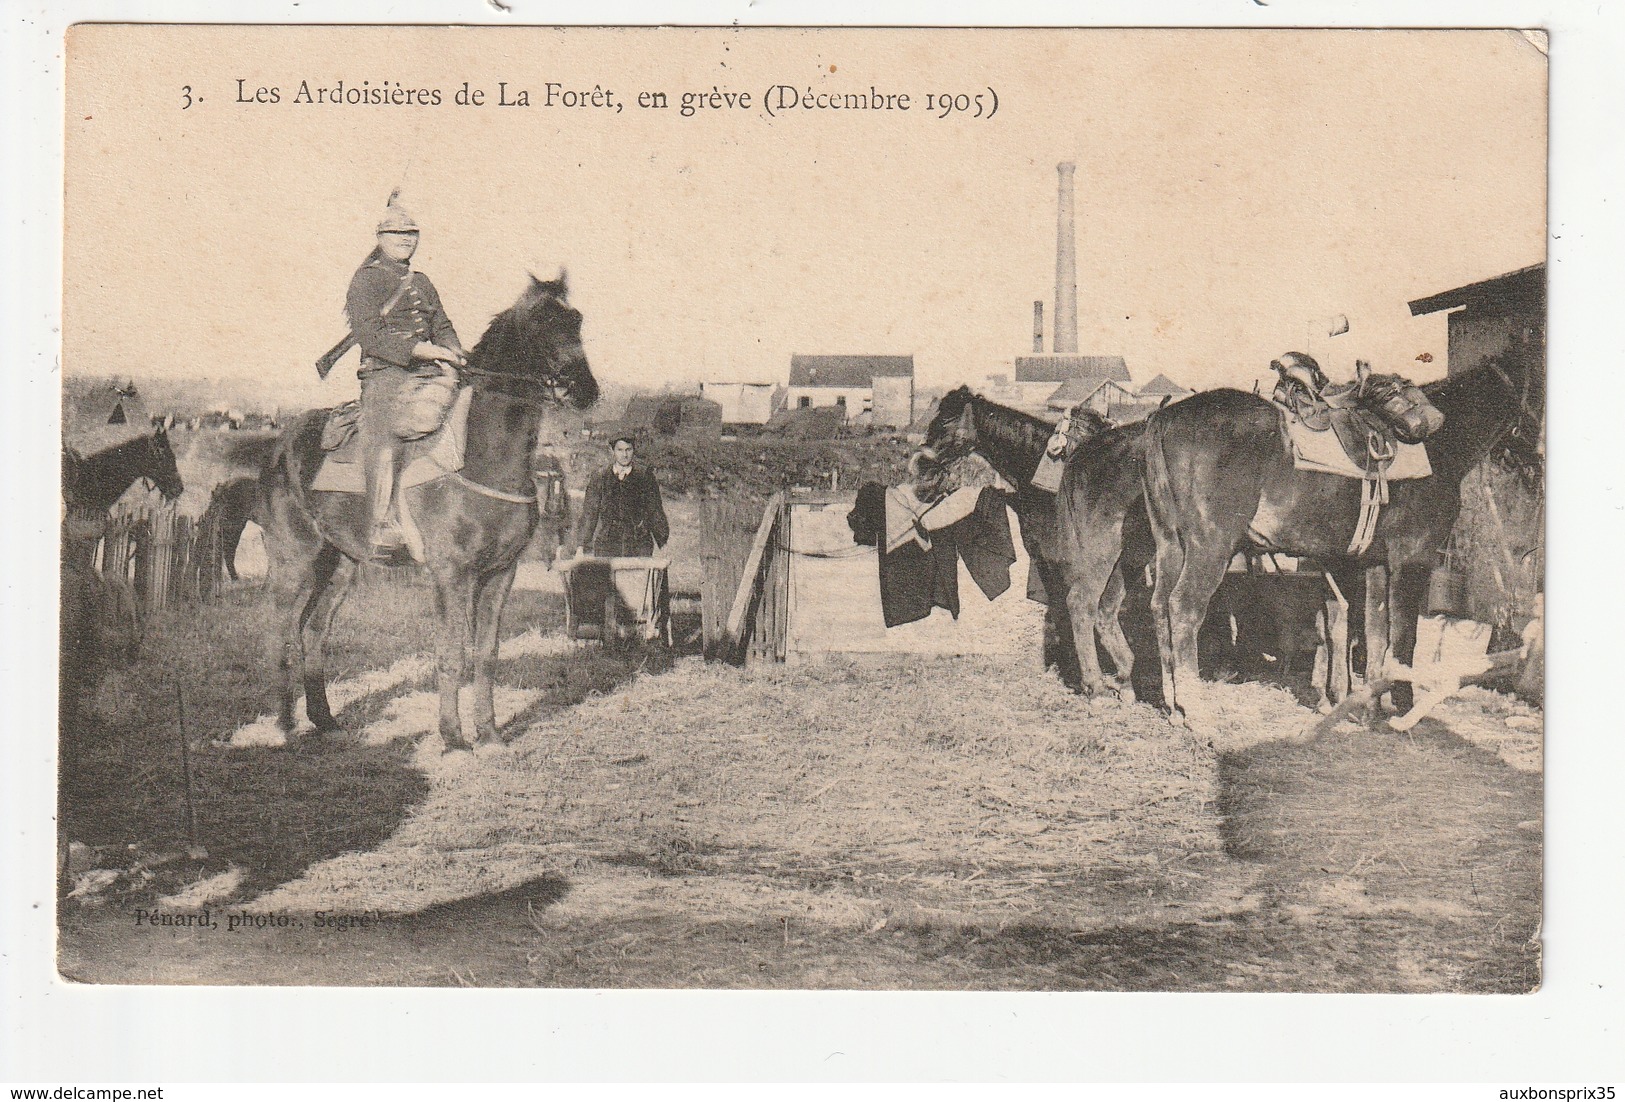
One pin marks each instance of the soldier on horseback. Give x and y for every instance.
(409, 359)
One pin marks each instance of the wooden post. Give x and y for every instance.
(1340, 665)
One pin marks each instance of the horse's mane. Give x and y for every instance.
(508, 344)
(1007, 425)
(506, 336)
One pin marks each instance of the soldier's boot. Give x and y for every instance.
(388, 539)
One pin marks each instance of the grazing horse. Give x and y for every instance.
(91, 484)
(1102, 531)
(231, 507)
(95, 482)
(474, 523)
(1219, 475)
(1013, 443)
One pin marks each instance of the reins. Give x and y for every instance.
(551, 401)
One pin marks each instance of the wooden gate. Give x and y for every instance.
(745, 594)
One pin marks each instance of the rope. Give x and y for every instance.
(844, 553)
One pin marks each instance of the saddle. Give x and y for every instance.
(424, 459)
(1371, 429)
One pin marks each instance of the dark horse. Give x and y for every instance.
(474, 524)
(97, 481)
(91, 484)
(1219, 476)
(1013, 442)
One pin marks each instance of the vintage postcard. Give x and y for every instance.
(790, 508)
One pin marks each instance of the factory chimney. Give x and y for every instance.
(1038, 325)
(1066, 265)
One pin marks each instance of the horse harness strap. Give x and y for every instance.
(1368, 443)
(486, 491)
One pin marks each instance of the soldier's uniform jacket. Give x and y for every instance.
(387, 340)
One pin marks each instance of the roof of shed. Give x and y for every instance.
(847, 370)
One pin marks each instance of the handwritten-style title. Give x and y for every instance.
(773, 101)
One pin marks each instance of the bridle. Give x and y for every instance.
(554, 392)
(1525, 414)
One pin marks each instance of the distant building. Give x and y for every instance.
(1039, 376)
(1049, 385)
(1091, 392)
(880, 386)
(1491, 317)
(1164, 387)
(744, 403)
(102, 417)
(649, 415)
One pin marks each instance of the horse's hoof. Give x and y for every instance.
(1177, 719)
(454, 745)
(1126, 694)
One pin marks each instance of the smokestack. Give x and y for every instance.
(1066, 265)
(1038, 326)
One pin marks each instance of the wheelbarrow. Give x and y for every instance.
(617, 600)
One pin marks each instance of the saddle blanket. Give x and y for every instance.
(435, 456)
(1323, 452)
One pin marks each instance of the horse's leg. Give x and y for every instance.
(454, 609)
(295, 578)
(1110, 631)
(492, 595)
(1189, 594)
(1170, 561)
(319, 618)
(1407, 589)
(1082, 599)
(231, 534)
(1092, 576)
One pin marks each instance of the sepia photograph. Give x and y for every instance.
(772, 508)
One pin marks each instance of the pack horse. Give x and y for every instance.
(473, 521)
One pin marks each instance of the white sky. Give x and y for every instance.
(1234, 187)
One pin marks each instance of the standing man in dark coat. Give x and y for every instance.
(406, 341)
(622, 514)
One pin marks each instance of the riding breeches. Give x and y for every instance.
(381, 387)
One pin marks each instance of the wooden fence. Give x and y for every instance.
(165, 557)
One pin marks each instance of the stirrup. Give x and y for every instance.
(388, 542)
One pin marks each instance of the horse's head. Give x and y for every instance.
(1088, 424)
(538, 340)
(952, 431)
(158, 463)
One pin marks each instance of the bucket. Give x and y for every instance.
(1447, 592)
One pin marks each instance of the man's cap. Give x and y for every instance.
(395, 219)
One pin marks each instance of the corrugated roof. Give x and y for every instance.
(846, 370)
(1164, 385)
(1059, 367)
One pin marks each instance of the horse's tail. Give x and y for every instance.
(287, 470)
(1160, 495)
